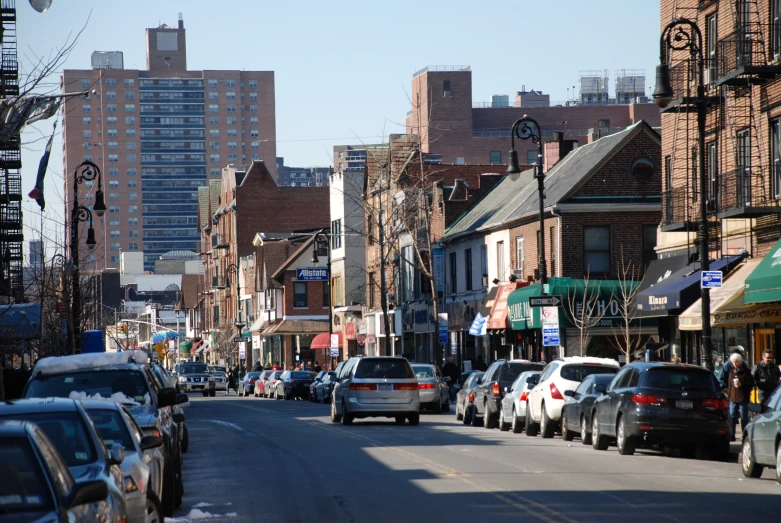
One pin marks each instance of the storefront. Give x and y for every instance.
(502, 340)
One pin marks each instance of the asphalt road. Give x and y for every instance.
(252, 459)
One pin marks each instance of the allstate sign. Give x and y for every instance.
(313, 274)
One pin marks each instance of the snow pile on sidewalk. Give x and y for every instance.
(197, 514)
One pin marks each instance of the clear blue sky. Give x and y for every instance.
(343, 68)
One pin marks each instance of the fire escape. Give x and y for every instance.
(11, 237)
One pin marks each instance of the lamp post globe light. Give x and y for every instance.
(321, 236)
(684, 35)
(41, 5)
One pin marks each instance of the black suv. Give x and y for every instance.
(663, 405)
(492, 387)
(123, 377)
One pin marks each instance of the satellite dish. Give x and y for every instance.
(172, 288)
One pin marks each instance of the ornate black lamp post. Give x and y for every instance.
(321, 236)
(680, 35)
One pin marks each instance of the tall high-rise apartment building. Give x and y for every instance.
(157, 135)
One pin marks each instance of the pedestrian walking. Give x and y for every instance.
(766, 375)
(737, 381)
(318, 368)
(452, 371)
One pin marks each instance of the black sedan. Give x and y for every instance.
(465, 398)
(313, 386)
(576, 413)
(663, 405)
(324, 389)
(294, 384)
(247, 383)
(762, 439)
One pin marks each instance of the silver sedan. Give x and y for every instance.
(513, 410)
(434, 390)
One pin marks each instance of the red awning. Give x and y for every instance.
(323, 341)
(497, 319)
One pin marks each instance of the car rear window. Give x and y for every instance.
(679, 379)
(511, 371)
(383, 369)
(66, 431)
(423, 371)
(301, 375)
(111, 427)
(579, 372)
(106, 383)
(24, 484)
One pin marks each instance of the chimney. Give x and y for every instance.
(557, 149)
(460, 191)
(181, 22)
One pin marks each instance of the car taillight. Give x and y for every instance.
(425, 386)
(649, 399)
(152, 432)
(554, 392)
(715, 403)
(524, 396)
(292, 383)
(495, 390)
(363, 386)
(471, 397)
(405, 386)
(251, 382)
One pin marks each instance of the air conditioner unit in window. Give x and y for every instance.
(518, 273)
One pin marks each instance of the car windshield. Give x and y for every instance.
(679, 379)
(24, 482)
(66, 431)
(472, 380)
(252, 376)
(112, 428)
(301, 375)
(127, 386)
(216, 368)
(193, 368)
(383, 369)
(423, 371)
(579, 372)
(513, 370)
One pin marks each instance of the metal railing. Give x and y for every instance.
(750, 46)
(675, 206)
(754, 188)
(441, 68)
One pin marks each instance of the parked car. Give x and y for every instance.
(543, 409)
(260, 383)
(247, 383)
(195, 377)
(293, 384)
(220, 381)
(271, 383)
(70, 430)
(37, 484)
(762, 438)
(465, 398)
(313, 387)
(663, 405)
(376, 387)
(142, 466)
(512, 413)
(324, 389)
(165, 379)
(434, 389)
(124, 377)
(576, 413)
(492, 387)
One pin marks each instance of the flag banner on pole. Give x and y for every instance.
(37, 192)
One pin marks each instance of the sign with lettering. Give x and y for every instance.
(710, 279)
(550, 326)
(312, 274)
(439, 268)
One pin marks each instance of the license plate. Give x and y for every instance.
(684, 404)
(385, 387)
(197, 387)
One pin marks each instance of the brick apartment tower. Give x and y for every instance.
(157, 135)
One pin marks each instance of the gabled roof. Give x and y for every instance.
(293, 257)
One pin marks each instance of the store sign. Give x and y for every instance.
(312, 274)
(550, 326)
(443, 328)
(349, 330)
(439, 268)
(334, 342)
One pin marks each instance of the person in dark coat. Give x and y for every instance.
(737, 382)
(451, 370)
(766, 375)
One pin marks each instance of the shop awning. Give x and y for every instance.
(518, 306)
(257, 325)
(738, 312)
(764, 284)
(691, 319)
(185, 347)
(659, 270)
(497, 319)
(288, 326)
(679, 290)
(323, 340)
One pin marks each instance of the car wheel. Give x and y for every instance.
(205, 394)
(446, 406)
(585, 435)
(414, 419)
(154, 509)
(598, 441)
(459, 416)
(287, 396)
(624, 442)
(489, 421)
(778, 462)
(335, 418)
(477, 421)
(169, 486)
(567, 434)
(467, 417)
(213, 393)
(347, 418)
(516, 423)
(185, 439)
(688, 452)
(400, 420)
(531, 428)
(548, 426)
(437, 407)
(750, 467)
(503, 425)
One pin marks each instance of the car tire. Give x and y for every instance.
(585, 435)
(750, 467)
(530, 428)
(688, 452)
(721, 451)
(477, 421)
(547, 425)
(489, 422)
(598, 441)
(624, 442)
(516, 423)
(205, 394)
(778, 462)
(437, 407)
(212, 393)
(459, 416)
(446, 406)
(400, 420)
(414, 419)
(154, 509)
(566, 434)
(335, 418)
(287, 396)
(169, 486)
(467, 417)
(503, 425)
(185, 439)
(347, 418)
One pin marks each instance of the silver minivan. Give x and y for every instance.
(376, 387)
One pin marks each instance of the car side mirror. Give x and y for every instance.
(178, 417)
(166, 397)
(116, 454)
(151, 442)
(506, 390)
(182, 398)
(570, 393)
(600, 387)
(87, 492)
(756, 407)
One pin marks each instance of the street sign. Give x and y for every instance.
(238, 340)
(312, 274)
(550, 326)
(710, 279)
(335, 343)
(334, 352)
(545, 301)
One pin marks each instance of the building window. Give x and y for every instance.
(133, 196)
(86, 108)
(112, 133)
(129, 82)
(694, 180)
(115, 246)
(111, 82)
(253, 108)
(253, 84)
(85, 83)
(214, 133)
(212, 83)
(775, 158)
(459, 160)
(230, 83)
(743, 172)
(113, 171)
(500, 263)
(111, 108)
(649, 244)
(232, 120)
(453, 273)
(214, 157)
(87, 120)
(232, 146)
(214, 145)
(519, 253)
(130, 120)
(133, 233)
(496, 157)
(113, 184)
(130, 158)
(231, 108)
(130, 132)
(299, 294)
(87, 146)
(468, 268)
(232, 132)
(446, 88)
(113, 209)
(113, 157)
(132, 246)
(596, 250)
(532, 157)
(326, 294)
(214, 171)
(372, 291)
(132, 171)
(130, 146)
(132, 209)
(131, 183)
(233, 157)
(483, 261)
(336, 234)
(130, 108)
(213, 95)
(114, 234)
(111, 95)
(129, 95)
(214, 108)
(230, 95)
(113, 196)
(253, 120)
(253, 96)
(213, 120)
(113, 221)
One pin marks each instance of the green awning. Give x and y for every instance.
(518, 310)
(764, 284)
(184, 347)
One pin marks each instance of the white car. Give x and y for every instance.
(220, 381)
(512, 413)
(544, 404)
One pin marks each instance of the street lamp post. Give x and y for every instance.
(528, 129)
(684, 34)
(234, 270)
(315, 261)
(86, 171)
